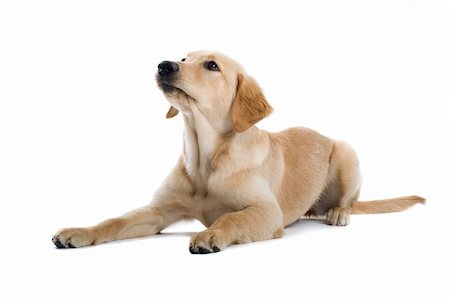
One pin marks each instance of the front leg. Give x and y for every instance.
(142, 222)
(168, 206)
(257, 222)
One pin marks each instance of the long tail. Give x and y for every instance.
(386, 205)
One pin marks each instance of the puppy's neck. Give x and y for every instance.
(205, 147)
(200, 140)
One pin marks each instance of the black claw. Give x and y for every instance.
(203, 250)
(216, 249)
(58, 243)
(70, 245)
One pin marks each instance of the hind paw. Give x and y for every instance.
(338, 216)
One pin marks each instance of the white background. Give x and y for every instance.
(84, 138)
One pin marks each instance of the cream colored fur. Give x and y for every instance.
(244, 184)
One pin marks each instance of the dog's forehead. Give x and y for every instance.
(205, 56)
(215, 56)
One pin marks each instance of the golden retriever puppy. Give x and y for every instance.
(244, 184)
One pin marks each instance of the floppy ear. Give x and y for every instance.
(172, 112)
(249, 105)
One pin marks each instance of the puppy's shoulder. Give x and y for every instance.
(300, 134)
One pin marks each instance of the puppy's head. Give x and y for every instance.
(215, 86)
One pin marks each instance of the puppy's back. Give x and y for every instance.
(305, 157)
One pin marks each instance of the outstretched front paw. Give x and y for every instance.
(73, 238)
(207, 241)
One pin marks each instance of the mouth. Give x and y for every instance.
(169, 89)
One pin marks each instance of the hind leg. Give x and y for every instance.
(344, 165)
(338, 216)
(344, 183)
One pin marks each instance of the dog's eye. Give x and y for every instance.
(212, 66)
(183, 59)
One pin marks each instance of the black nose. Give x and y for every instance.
(167, 67)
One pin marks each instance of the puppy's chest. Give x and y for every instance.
(207, 166)
(210, 207)
(210, 197)
(207, 180)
